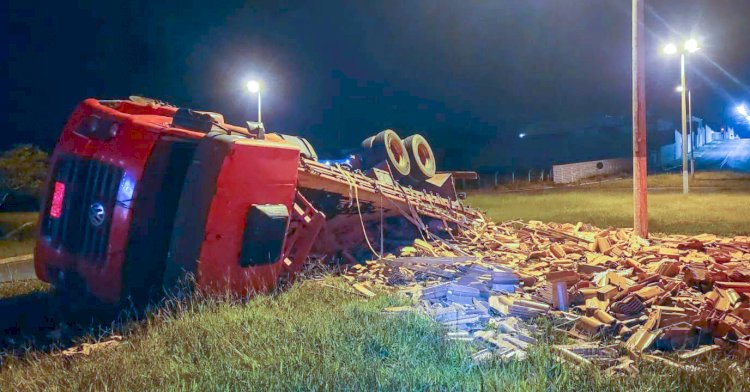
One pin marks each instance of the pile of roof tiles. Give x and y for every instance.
(667, 293)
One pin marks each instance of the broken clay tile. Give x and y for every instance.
(699, 352)
(589, 292)
(606, 293)
(589, 325)
(595, 303)
(363, 290)
(640, 341)
(668, 268)
(589, 269)
(740, 287)
(570, 277)
(670, 252)
(649, 292)
(88, 348)
(620, 281)
(630, 305)
(557, 251)
(603, 245)
(560, 295)
(604, 317)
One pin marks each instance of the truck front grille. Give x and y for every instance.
(83, 226)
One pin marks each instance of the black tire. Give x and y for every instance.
(306, 149)
(423, 164)
(387, 147)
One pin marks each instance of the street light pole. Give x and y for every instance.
(692, 135)
(683, 93)
(254, 87)
(640, 169)
(690, 46)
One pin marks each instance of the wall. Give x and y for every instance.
(671, 154)
(668, 153)
(572, 172)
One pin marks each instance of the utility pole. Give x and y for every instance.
(640, 169)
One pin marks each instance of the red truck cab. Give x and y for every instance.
(124, 172)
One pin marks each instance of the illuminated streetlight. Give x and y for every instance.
(521, 135)
(678, 89)
(690, 46)
(254, 87)
(670, 49)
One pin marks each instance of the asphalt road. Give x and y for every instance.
(731, 155)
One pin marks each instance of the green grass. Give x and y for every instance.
(16, 248)
(313, 337)
(719, 211)
(701, 181)
(22, 241)
(11, 220)
(20, 288)
(722, 180)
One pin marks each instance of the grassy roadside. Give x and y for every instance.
(316, 337)
(723, 180)
(22, 241)
(12, 220)
(722, 211)
(718, 213)
(24, 287)
(16, 248)
(701, 180)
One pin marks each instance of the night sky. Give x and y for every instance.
(339, 71)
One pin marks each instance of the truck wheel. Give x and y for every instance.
(422, 159)
(306, 149)
(386, 146)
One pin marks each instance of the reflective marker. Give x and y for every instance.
(57, 199)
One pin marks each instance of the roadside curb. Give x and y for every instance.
(15, 259)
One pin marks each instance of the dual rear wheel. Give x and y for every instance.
(410, 158)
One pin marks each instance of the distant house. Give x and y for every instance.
(538, 146)
(670, 147)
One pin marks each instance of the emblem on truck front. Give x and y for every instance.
(97, 214)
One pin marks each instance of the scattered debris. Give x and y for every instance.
(688, 293)
(364, 290)
(88, 348)
(588, 354)
(703, 351)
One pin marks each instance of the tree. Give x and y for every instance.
(22, 172)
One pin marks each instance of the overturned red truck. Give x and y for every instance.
(141, 193)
